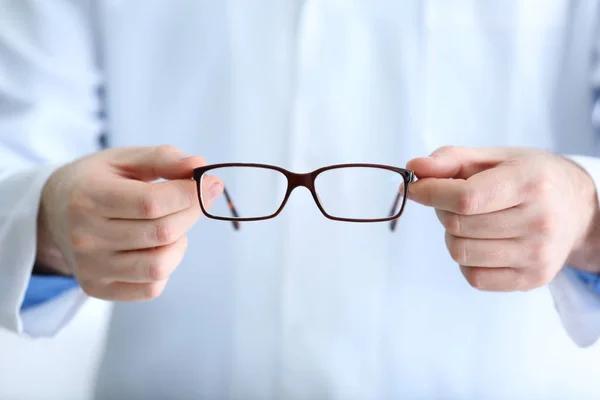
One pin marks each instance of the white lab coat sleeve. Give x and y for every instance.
(577, 303)
(48, 117)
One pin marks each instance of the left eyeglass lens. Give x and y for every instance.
(361, 193)
(255, 192)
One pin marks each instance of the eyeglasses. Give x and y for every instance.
(382, 191)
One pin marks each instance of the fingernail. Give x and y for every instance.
(215, 190)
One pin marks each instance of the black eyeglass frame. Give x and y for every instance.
(306, 180)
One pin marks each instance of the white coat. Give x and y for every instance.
(301, 307)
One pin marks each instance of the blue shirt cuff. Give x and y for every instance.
(42, 289)
(590, 279)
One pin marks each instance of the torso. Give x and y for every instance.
(303, 307)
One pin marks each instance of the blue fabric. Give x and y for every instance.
(590, 279)
(42, 289)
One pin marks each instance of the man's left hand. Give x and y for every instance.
(513, 216)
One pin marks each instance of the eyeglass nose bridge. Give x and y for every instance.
(296, 180)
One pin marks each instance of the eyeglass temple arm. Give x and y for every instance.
(394, 222)
(234, 213)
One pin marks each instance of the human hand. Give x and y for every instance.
(118, 232)
(513, 216)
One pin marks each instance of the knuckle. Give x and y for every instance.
(153, 290)
(158, 270)
(163, 233)
(81, 242)
(150, 207)
(166, 150)
(79, 202)
(458, 250)
(539, 277)
(467, 202)
(91, 288)
(163, 262)
(452, 223)
(543, 185)
(545, 224)
(476, 278)
(86, 273)
(447, 150)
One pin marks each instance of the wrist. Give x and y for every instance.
(585, 254)
(49, 259)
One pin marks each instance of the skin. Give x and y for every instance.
(103, 220)
(513, 217)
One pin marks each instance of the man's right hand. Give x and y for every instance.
(105, 220)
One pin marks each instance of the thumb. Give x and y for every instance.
(156, 162)
(458, 162)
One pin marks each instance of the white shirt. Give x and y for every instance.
(300, 306)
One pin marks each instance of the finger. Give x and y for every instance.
(128, 235)
(124, 291)
(495, 280)
(151, 163)
(485, 253)
(491, 190)
(459, 162)
(139, 200)
(506, 224)
(139, 266)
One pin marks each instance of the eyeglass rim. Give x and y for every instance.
(309, 178)
(199, 171)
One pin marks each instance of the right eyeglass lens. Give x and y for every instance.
(361, 193)
(255, 192)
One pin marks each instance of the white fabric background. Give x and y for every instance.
(63, 368)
